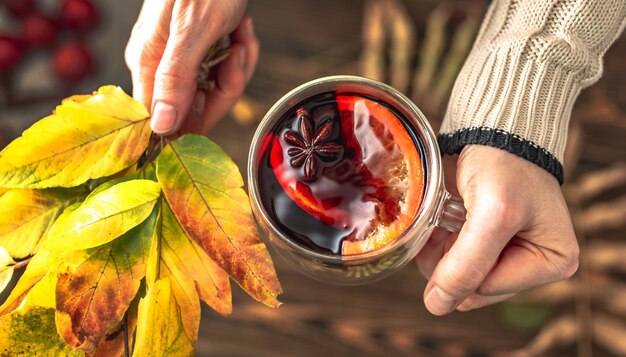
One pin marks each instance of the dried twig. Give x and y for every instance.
(561, 331)
(373, 32)
(610, 333)
(555, 293)
(607, 256)
(431, 50)
(402, 43)
(597, 182)
(604, 215)
(461, 44)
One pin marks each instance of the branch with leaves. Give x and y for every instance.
(120, 235)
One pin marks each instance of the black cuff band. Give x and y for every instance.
(454, 143)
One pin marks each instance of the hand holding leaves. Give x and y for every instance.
(100, 234)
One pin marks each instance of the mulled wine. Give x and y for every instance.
(341, 173)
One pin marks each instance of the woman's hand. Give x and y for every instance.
(518, 233)
(164, 53)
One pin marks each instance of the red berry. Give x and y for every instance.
(79, 14)
(19, 8)
(11, 52)
(73, 61)
(39, 30)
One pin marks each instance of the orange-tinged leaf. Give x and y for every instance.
(187, 299)
(104, 216)
(113, 343)
(87, 137)
(26, 216)
(183, 286)
(204, 189)
(96, 286)
(179, 251)
(160, 331)
(30, 331)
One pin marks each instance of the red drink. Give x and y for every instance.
(341, 173)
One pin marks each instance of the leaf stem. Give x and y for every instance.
(125, 329)
(22, 264)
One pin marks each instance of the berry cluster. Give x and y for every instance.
(61, 33)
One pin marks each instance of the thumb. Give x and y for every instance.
(174, 86)
(465, 266)
(175, 81)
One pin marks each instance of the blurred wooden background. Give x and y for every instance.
(302, 40)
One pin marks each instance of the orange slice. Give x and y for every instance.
(397, 166)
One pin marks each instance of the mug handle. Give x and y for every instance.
(453, 214)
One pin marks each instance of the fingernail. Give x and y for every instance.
(198, 103)
(242, 59)
(438, 302)
(164, 117)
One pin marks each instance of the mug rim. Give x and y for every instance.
(428, 212)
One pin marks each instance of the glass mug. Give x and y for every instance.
(437, 207)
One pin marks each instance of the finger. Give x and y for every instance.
(232, 76)
(175, 78)
(476, 301)
(541, 266)
(244, 35)
(146, 46)
(229, 85)
(462, 270)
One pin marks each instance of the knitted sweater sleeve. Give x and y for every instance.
(529, 62)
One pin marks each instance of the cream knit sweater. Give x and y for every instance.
(529, 62)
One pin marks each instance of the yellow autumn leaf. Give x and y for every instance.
(204, 189)
(96, 286)
(184, 290)
(193, 275)
(179, 251)
(31, 331)
(87, 137)
(160, 331)
(183, 286)
(104, 216)
(6, 268)
(26, 216)
(36, 270)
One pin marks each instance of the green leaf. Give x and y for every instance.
(96, 286)
(26, 216)
(31, 331)
(160, 331)
(87, 137)
(104, 216)
(204, 189)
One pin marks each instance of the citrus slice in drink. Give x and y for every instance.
(383, 145)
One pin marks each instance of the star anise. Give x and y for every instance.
(308, 145)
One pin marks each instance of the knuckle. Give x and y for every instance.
(460, 282)
(172, 74)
